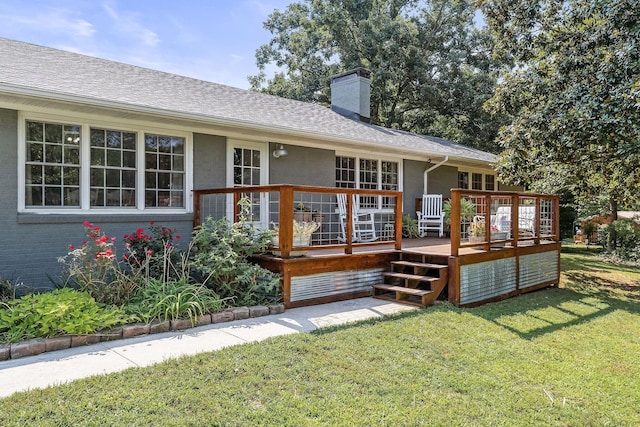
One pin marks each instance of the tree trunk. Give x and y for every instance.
(613, 203)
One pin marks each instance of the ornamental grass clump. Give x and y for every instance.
(172, 300)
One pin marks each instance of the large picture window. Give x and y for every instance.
(71, 165)
(368, 173)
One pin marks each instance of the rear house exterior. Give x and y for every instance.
(86, 139)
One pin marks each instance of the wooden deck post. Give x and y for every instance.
(285, 227)
(455, 222)
(398, 218)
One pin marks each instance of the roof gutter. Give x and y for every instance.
(426, 172)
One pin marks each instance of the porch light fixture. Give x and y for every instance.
(279, 151)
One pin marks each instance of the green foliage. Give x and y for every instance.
(565, 356)
(94, 268)
(627, 234)
(572, 95)
(220, 259)
(170, 300)
(7, 289)
(63, 311)
(431, 68)
(410, 227)
(155, 253)
(467, 210)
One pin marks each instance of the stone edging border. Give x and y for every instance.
(41, 345)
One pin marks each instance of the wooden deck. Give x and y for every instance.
(475, 266)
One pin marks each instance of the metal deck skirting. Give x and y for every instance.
(538, 268)
(333, 283)
(487, 280)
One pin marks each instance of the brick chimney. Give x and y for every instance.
(351, 94)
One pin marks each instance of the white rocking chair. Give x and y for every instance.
(432, 216)
(364, 228)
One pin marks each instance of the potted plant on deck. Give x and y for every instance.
(302, 231)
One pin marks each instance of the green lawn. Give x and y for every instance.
(567, 356)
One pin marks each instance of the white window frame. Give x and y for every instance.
(379, 159)
(86, 124)
(263, 148)
(484, 173)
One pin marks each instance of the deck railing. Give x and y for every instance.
(493, 219)
(290, 209)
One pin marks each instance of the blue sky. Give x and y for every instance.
(213, 40)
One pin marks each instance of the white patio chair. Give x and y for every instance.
(364, 228)
(432, 216)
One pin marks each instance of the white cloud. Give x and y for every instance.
(127, 23)
(57, 21)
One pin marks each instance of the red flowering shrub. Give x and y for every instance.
(94, 267)
(155, 251)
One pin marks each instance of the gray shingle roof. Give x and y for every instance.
(63, 75)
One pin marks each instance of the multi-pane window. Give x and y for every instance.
(476, 181)
(345, 172)
(52, 167)
(246, 172)
(246, 167)
(113, 168)
(389, 181)
(164, 170)
(489, 182)
(85, 166)
(368, 180)
(463, 180)
(375, 174)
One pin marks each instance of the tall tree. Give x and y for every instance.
(431, 68)
(573, 96)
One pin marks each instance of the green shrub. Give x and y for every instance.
(219, 258)
(60, 312)
(7, 289)
(172, 300)
(410, 227)
(93, 267)
(627, 239)
(156, 252)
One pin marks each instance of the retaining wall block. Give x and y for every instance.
(203, 320)
(181, 324)
(258, 311)
(57, 343)
(240, 313)
(78, 340)
(5, 352)
(135, 330)
(223, 316)
(157, 326)
(276, 309)
(27, 348)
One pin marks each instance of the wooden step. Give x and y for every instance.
(402, 289)
(402, 294)
(408, 278)
(429, 266)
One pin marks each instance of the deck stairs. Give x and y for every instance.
(416, 279)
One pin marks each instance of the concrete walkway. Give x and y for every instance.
(62, 366)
